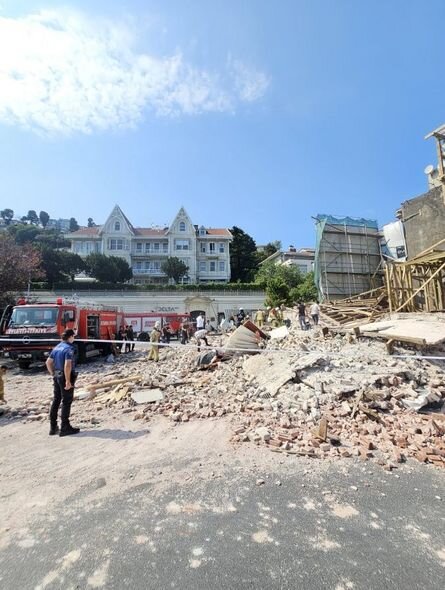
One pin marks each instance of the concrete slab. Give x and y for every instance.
(147, 396)
(429, 327)
(269, 372)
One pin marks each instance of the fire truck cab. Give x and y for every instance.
(29, 331)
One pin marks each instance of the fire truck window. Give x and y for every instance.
(34, 316)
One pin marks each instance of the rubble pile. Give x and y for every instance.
(310, 393)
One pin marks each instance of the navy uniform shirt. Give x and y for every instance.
(61, 353)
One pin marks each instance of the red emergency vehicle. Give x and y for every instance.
(29, 331)
(143, 323)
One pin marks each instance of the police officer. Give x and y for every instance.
(60, 365)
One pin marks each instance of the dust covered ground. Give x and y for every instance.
(142, 499)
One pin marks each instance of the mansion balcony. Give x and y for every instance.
(150, 252)
(157, 272)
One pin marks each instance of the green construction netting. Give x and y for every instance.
(320, 224)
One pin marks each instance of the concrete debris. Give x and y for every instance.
(279, 333)
(319, 395)
(147, 396)
(270, 372)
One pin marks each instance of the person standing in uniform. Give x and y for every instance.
(155, 336)
(60, 365)
(259, 318)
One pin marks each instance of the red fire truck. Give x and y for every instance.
(143, 323)
(29, 331)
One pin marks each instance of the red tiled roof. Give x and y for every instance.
(149, 232)
(86, 232)
(211, 231)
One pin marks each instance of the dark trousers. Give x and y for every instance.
(315, 318)
(62, 396)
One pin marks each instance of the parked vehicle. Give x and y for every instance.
(29, 331)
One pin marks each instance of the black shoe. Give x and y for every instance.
(67, 430)
(54, 430)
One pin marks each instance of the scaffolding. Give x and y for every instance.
(419, 284)
(348, 259)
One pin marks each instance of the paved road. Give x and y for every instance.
(311, 532)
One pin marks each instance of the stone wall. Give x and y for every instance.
(424, 220)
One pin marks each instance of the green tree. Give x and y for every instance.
(18, 265)
(74, 226)
(277, 293)
(44, 218)
(60, 266)
(7, 215)
(125, 272)
(108, 269)
(243, 262)
(288, 273)
(174, 268)
(91, 222)
(305, 291)
(33, 217)
(25, 233)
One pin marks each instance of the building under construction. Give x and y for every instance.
(347, 258)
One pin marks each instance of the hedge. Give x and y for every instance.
(76, 287)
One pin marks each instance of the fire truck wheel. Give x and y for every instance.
(24, 364)
(144, 337)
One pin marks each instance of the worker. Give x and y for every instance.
(3, 370)
(120, 337)
(184, 333)
(201, 335)
(166, 334)
(315, 312)
(240, 316)
(259, 318)
(302, 315)
(200, 321)
(129, 336)
(155, 336)
(273, 319)
(61, 365)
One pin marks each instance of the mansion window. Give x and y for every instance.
(202, 267)
(212, 247)
(221, 248)
(139, 247)
(182, 226)
(222, 266)
(212, 266)
(116, 244)
(202, 248)
(182, 245)
(156, 247)
(117, 226)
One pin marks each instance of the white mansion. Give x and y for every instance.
(204, 250)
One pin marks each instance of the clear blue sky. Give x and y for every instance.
(247, 112)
